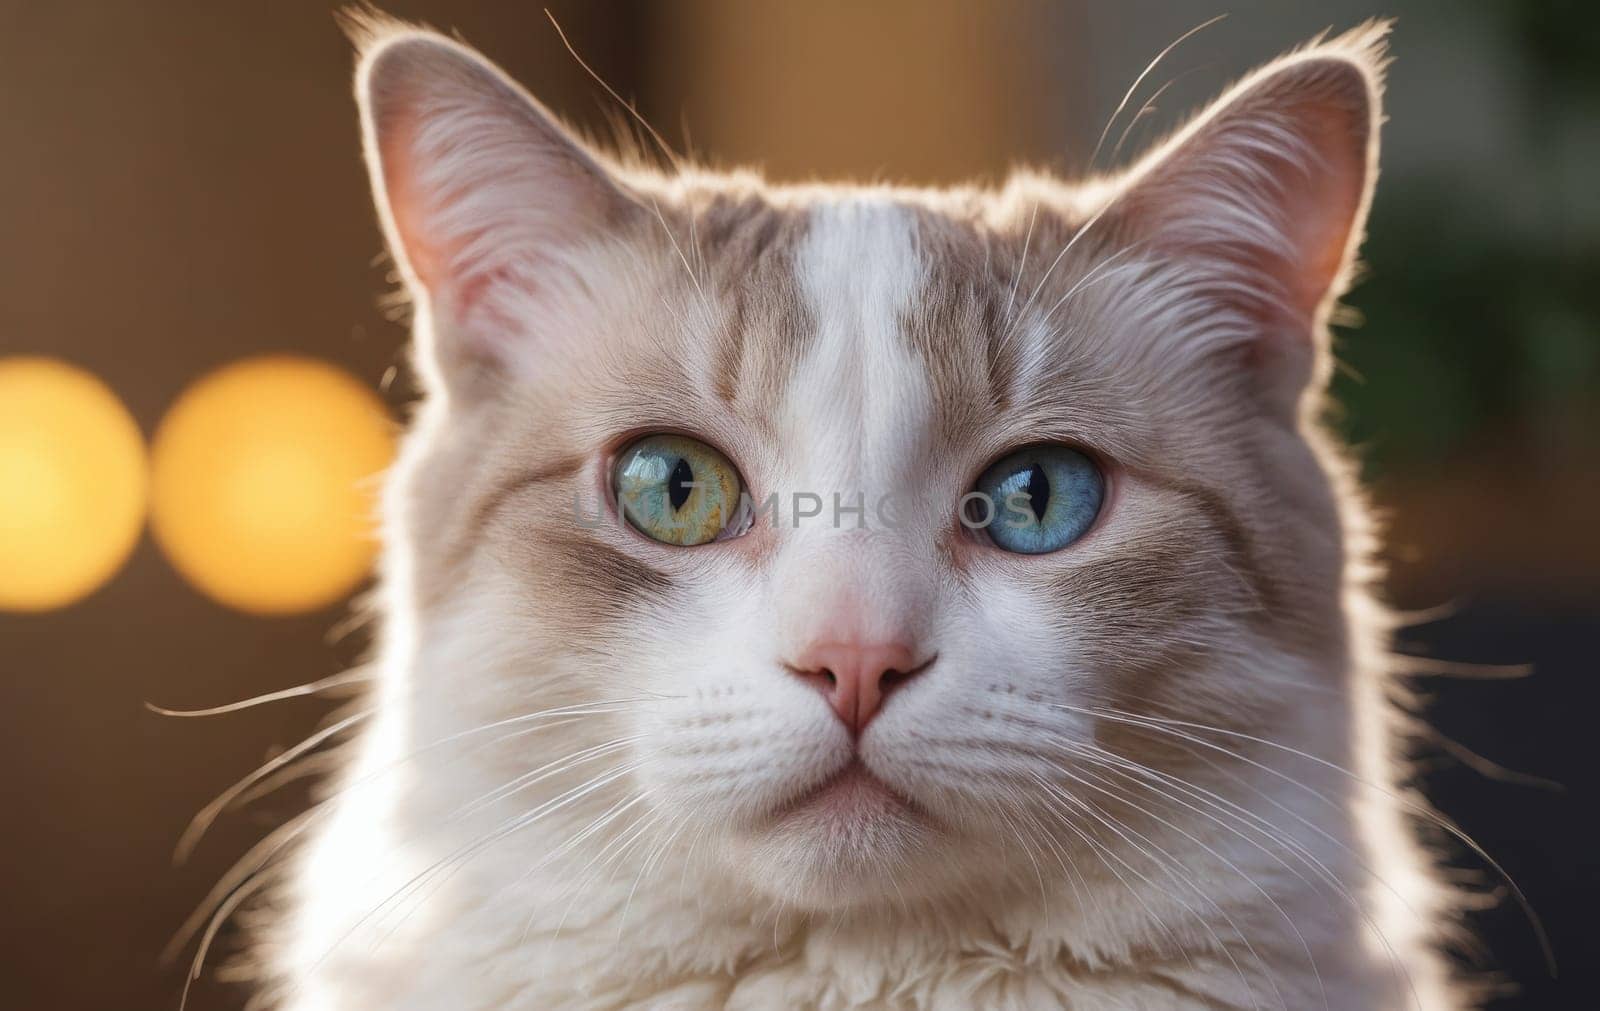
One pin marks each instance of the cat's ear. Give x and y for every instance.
(1266, 194)
(486, 200)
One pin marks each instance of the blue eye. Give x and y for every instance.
(1045, 497)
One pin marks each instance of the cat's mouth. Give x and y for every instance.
(840, 841)
(853, 794)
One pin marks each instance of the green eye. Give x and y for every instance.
(677, 490)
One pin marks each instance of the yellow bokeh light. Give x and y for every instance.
(72, 483)
(264, 483)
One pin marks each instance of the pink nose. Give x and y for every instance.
(855, 678)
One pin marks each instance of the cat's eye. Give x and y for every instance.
(677, 490)
(1040, 498)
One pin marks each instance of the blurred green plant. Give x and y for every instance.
(1471, 328)
(1461, 332)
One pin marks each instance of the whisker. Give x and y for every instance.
(613, 850)
(1488, 768)
(1069, 867)
(1096, 275)
(1113, 824)
(340, 680)
(458, 857)
(705, 302)
(1062, 797)
(257, 858)
(1410, 806)
(229, 905)
(1044, 899)
(1022, 262)
(666, 150)
(208, 814)
(1151, 66)
(1351, 852)
(1148, 107)
(673, 831)
(1116, 764)
(1081, 231)
(540, 774)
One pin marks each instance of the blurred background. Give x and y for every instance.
(189, 268)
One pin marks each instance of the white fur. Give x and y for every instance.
(619, 849)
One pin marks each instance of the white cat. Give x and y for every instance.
(837, 596)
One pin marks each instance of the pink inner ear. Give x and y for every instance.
(470, 291)
(1270, 183)
(432, 255)
(397, 143)
(435, 256)
(483, 189)
(1323, 215)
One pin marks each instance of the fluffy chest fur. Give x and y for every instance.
(807, 728)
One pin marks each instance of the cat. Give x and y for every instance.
(836, 596)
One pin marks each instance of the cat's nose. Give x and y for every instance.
(855, 678)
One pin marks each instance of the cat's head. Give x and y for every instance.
(862, 527)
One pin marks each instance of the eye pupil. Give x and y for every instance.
(1038, 491)
(680, 484)
(1060, 487)
(677, 490)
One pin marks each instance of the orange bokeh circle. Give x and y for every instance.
(264, 483)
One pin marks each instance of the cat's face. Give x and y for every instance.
(865, 683)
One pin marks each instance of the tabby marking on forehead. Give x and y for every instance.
(768, 325)
(963, 326)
